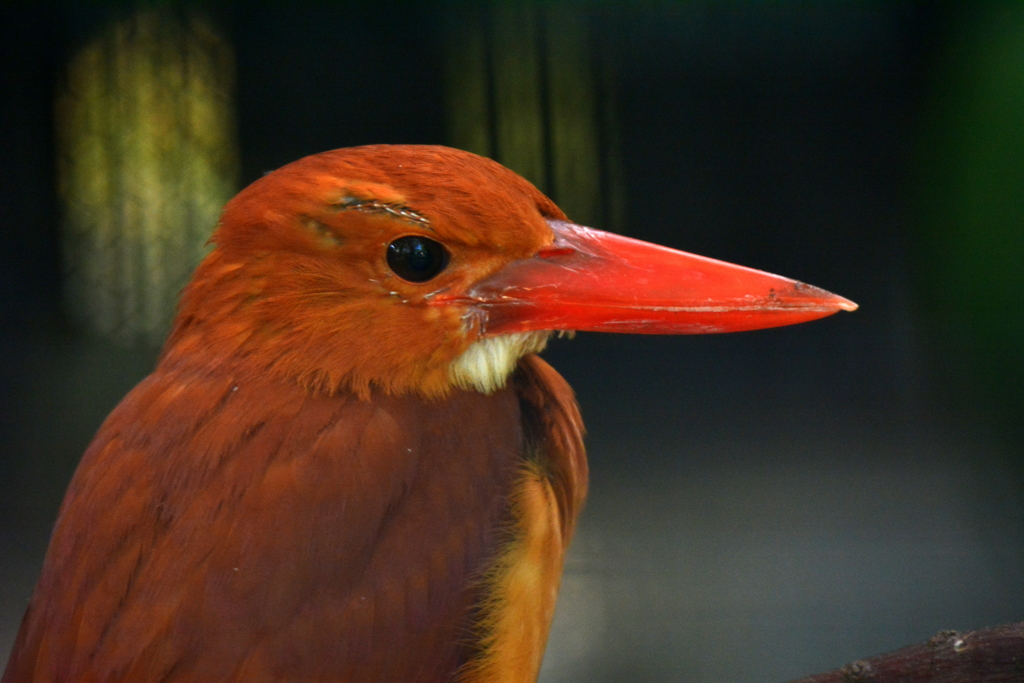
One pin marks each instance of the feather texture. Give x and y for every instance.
(521, 585)
(254, 531)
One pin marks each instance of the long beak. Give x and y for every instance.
(590, 280)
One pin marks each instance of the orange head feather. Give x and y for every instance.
(298, 283)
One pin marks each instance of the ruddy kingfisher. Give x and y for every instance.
(349, 463)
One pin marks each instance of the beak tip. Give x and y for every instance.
(818, 297)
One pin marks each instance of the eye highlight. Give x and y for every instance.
(416, 258)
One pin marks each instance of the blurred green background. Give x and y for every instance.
(764, 505)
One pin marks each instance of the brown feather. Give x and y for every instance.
(256, 531)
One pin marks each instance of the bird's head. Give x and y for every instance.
(420, 268)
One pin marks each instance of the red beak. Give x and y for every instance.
(590, 280)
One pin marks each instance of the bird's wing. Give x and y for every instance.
(521, 586)
(554, 433)
(248, 531)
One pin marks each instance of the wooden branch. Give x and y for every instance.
(994, 655)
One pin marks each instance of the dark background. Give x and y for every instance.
(764, 505)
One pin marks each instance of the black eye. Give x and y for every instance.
(417, 259)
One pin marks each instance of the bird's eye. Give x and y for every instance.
(417, 259)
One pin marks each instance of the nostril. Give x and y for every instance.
(554, 251)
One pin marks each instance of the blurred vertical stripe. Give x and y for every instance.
(147, 156)
(529, 87)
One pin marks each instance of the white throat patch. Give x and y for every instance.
(487, 364)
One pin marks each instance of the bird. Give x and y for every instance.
(350, 463)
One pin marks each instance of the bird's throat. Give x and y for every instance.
(487, 364)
